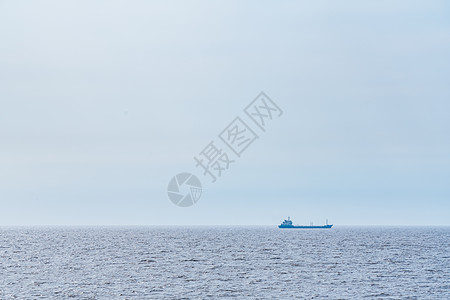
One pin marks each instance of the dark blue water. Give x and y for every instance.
(227, 262)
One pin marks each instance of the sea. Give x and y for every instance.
(260, 262)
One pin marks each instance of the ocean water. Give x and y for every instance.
(225, 262)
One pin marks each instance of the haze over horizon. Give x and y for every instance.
(104, 101)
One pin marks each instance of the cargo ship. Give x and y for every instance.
(288, 224)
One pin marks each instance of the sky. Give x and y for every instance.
(103, 102)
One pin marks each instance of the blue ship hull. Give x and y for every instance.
(305, 227)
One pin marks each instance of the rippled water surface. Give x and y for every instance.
(228, 262)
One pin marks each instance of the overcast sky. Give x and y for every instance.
(102, 102)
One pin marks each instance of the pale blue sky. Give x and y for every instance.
(104, 101)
